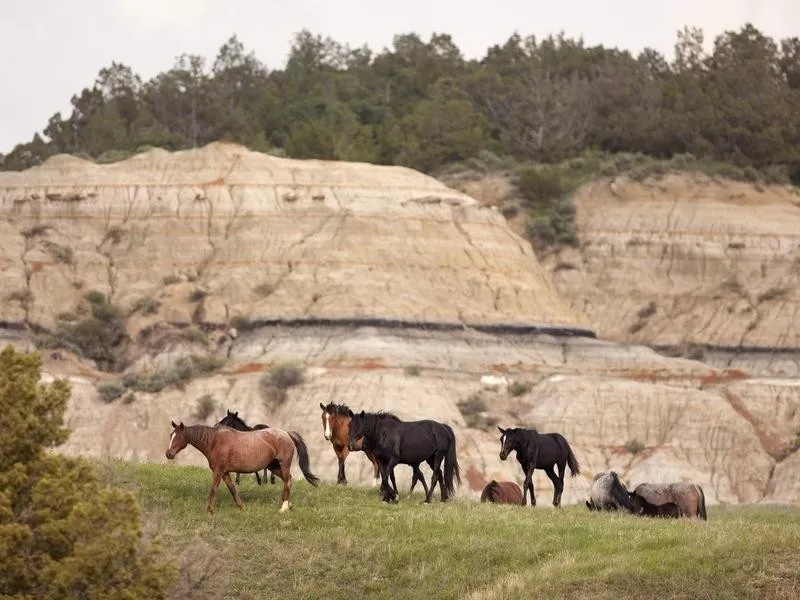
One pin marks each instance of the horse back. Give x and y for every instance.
(687, 496)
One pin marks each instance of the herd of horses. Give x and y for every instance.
(232, 446)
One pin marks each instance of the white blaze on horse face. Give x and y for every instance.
(327, 426)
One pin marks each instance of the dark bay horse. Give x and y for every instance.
(232, 419)
(502, 492)
(539, 451)
(410, 443)
(229, 451)
(653, 499)
(336, 429)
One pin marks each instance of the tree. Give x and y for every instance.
(62, 533)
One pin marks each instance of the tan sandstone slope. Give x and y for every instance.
(394, 291)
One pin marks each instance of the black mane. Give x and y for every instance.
(337, 409)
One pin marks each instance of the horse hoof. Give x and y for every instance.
(285, 506)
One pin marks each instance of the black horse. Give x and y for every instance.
(539, 451)
(409, 443)
(233, 420)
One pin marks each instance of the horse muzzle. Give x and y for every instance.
(170, 455)
(503, 455)
(327, 437)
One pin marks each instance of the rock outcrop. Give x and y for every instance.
(394, 292)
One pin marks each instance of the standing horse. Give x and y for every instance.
(410, 443)
(502, 492)
(539, 451)
(229, 450)
(652, 499)
(336, 429)
(232, 419)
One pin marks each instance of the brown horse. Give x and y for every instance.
(653, 499)
(336, 429)
(231, 451)
(502, 492)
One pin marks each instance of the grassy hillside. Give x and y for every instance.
(344, 543)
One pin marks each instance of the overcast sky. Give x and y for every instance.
(51, 49)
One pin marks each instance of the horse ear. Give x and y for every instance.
(363, 414)
(350, 413)
(173, 425)
(503, 431)
(181, 426)
(322, 406)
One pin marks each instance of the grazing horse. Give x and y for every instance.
(336, 428)
(539, 451)
(232, 419)
(609, 493)
(687, 497)
(502, 492)
(410, 443)
(229, 450)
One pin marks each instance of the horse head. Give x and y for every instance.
(232, 419)
(358, 429)
(177, 440)
(508, 442)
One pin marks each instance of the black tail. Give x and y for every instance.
(302, 458)
(703, 514)
(451, 468)
(488, 491)
(572, 462)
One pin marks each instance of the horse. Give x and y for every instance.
(229, 450)
(539, 451)
(335, 428)
(688, 498)
(232, 419)
(609, 493)
(410, 443)
(502, 492)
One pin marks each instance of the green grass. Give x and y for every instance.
(343, 543)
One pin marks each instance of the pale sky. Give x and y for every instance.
(51, 49)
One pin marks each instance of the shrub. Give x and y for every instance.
(61, 254)
(95, 297)
(541, 185)
(110, 390)
(146, 306)
(242, 323)
(275, 382)
(518, 388)
(263, 290)
(648, 311)
(36, 230)
(412, 371)
(70, 535)
(634, 446)
(197, 294)
(205, 407)
(178, 374)
(193, 334)
(171, 279)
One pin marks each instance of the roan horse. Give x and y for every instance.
(502, 492)
(539, 451)
(410, 443)
(336, 428)
(232, 419)
(609, 493)
(229, 450)
(654, 499)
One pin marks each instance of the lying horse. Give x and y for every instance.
(232, 419)
(609, 493)
(229, 451)
(539, 451)
(336, 429)
(651, 498)
(502, 492)
(410, 443)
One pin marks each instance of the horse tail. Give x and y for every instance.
(703, 514)
(488, 491)
(451, 468)
(302, 458)
(572, 462)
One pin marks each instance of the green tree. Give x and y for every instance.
(62, 533)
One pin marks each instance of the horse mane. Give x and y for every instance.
(200, 435)
(381, 415)
(337, 409)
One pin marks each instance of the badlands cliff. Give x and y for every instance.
(397, 292)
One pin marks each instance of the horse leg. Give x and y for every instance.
(212, 495)
(234, 492)
(436, 466)
(258, 478)
(286, 475)
(529, 483)
(341, 455)
(418, 476)
(376, 469)
(558, 484)
(387, 471)
(237, 479)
